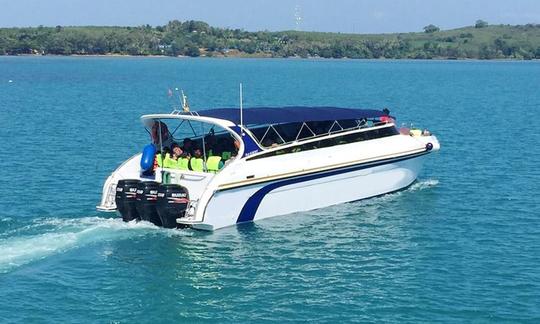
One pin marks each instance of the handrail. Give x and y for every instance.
(189, 176)
(329, 134)
(325, 135)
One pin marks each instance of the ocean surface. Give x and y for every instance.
(460, 245)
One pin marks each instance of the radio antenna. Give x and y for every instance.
(241, 111)
(185, 104)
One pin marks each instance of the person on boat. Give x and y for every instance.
(236, 147)
(210, 143)
(270, 142)
(197, 162)
(267, 142)
(176, 151)
(188, 146)
(173, 160)
(160, 158)
(169, 158)
(183, 161)
(166, 138)
(232, 154)
(386, 118)
(214, 164)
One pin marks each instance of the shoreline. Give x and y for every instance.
(112, 55)
(199, 39)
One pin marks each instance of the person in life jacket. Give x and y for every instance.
(229, 148)
(214, 164)
(197, 162)
(183, 161)
(210, 143)
(228, 156)
(160, 158)
(172, 161)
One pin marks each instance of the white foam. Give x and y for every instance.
(57, 235)
(419, 185)
(65, 234)
(424, 184)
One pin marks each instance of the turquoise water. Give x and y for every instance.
(460, 245)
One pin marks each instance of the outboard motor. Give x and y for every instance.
(146, 201)
(125, 198)
(172, 202)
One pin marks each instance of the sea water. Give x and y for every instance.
(462, 244)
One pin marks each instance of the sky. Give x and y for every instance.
(348, 16)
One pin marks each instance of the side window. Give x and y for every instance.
(338, 140)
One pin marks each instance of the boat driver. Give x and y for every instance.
(166, 137)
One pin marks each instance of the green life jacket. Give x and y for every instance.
(160, 159)
(214, 164)
(176, 164)
(170, 163)
(197, 164)
(225, 155)
(183, 163)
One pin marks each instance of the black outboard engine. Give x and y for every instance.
(172, 203)
(146, 201)
(125, 198)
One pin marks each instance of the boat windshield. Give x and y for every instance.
(184, 142)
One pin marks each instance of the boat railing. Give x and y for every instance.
(179, 175)
(195, 182)
(350, 136)
(335, 128)
(183, 112)
(108, 202)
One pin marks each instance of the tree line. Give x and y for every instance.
(196, 38)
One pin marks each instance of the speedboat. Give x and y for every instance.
(214, 168)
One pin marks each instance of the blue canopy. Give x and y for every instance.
(275, 115)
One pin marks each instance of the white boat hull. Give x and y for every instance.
(334, 168)
(308, 192)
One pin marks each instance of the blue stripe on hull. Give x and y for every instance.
(252, 204)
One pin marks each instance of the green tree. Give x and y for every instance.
(192, 37)
(487, 52)
(193, 51)
(431, 29)
(480, 24)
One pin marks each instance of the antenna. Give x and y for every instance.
(241, 111)
(185, 104)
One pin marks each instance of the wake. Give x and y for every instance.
(424, 184)
(419, 185)
(58, 235)
(50, 236)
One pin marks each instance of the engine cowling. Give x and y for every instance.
(172, 202)
(125, 199)
(146, 197)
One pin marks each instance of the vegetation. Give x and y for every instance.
(196, 38)
(431, 29)
(480, 24)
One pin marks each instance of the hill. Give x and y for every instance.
(196, 38)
